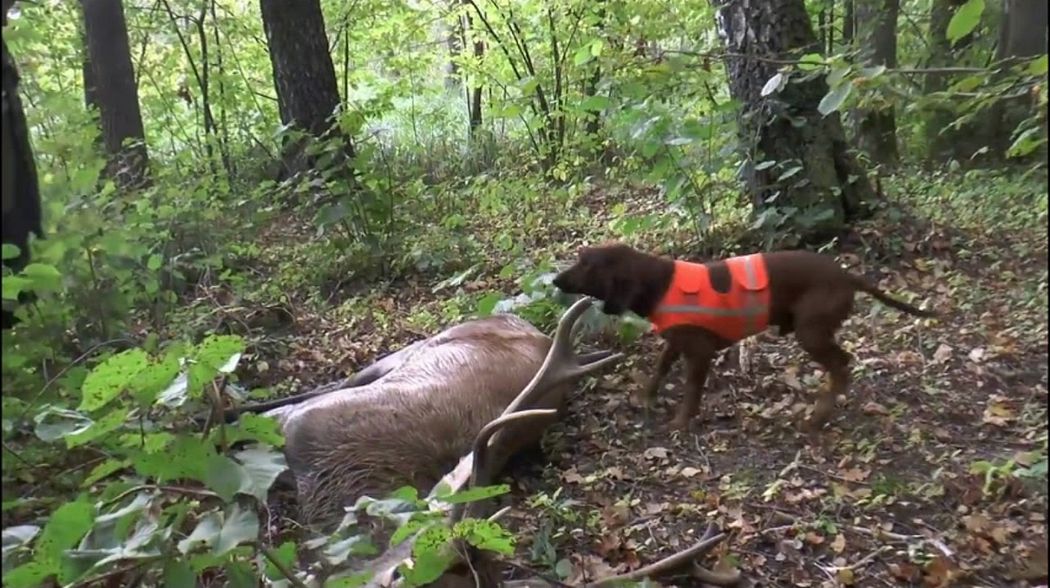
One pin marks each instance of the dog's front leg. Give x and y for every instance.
(698, 358)
(668, 355)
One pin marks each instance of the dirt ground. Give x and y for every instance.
(910, 485)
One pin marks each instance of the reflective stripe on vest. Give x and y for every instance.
(752, 311)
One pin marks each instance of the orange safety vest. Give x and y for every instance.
(733, 315)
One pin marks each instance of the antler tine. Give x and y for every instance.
(710, 539)
(562, 339)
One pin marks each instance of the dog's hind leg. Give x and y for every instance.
(817, 338)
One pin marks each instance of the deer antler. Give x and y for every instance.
(667, 565)
(559, 366)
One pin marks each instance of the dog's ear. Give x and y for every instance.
(619, 294)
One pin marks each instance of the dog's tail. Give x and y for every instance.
(866, 286)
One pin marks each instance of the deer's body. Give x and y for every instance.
(418, 416)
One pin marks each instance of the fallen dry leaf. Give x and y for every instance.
(690, 472)
(874, 408)
(655, 453)
(838, 545)
(943, 353)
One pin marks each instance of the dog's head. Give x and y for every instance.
(603, 272)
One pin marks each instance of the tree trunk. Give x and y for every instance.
(829, 189)
(877, 28)
(109, 54)
(21, 191)
(303, 73)
(943, 143)
(476, 90)
(849, 23)
(1022, 35)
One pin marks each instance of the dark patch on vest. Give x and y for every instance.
(721, 279)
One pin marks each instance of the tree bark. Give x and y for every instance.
(109, 55)
(303, 73)
(476, 90)
(943, 143)
(877, 126)
(830, 189)
(21, 190)
(1023, 34)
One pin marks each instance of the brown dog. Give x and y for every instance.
(700, 309)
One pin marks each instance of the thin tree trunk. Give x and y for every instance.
(829, 189)
(1023, 34)
(942, 143)
(877, 28)
(117, 94)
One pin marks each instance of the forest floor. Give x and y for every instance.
(918, 480)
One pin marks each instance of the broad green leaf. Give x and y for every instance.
(485, 534)
(284, 554)
(1038, 67)
(153, 379)
(13, 285)
(595, 103)
(44, 277)
(596, 47)
(1026, 142)
(475, 494)
(774, 84)
(111, 421)
(256, 427)
(351, 581)
(262, 466)
(965, 20)
(836, 76)
(811, 61)
(29, 575)
(103, 470)
(179, 574)
(109, 378)
(186, 458)
(833, 100)
(583, 55)
(64, 529)
(154, 262)
(241, 574)
(226, 477)
(10, 251)
(241, 526)
(488, 303)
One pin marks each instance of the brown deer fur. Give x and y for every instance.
(810, 295)
(419, 414)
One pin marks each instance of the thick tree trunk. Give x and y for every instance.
(21, 191)
(1023, 35)
(943, 143)
(303, 73)
(829, 189)
(877, 40)
(117, 94)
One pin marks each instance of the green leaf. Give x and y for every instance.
(256, 427)
(583, 55)
(64, 529)
(29, 575)
(595, 103)
(1026, 142)
(241, 574)
(13, 285)
(262, 467)
(103, 470)
(834, 99)
(475, 494)
(810, 62)
(152, 380)
(226, 477)
(351, 581)
(284, 554)
(488, 303)
(596, 47)
(204, 534)
(111, 421)
(965, 20)
(241, 526)
(110, 377)
(45, 277)
(1038, 67)
(154, 262)
(179, 574)
(186, 458)
(485, 534)
(10, 251)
